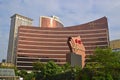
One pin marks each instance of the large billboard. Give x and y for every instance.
(78, 47)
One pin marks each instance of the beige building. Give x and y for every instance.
(115, 45)
(16, 21)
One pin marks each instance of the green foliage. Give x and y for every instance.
(103, 65)
(46, 71)
(22, 73)
(52, 71)
(29, 76)
(25, 75)
(106, 58)
(66, 67)
(38, 66)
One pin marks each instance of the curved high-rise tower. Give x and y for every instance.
(50, 42)
(50, 22)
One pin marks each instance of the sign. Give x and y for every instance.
(78, 47)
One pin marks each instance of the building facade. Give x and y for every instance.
(115, 45)
(16, 21)
(50, 22)
(46, 43)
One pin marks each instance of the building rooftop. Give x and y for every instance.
(21, 16)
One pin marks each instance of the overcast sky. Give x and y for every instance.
(70, 12)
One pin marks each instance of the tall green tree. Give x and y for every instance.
(106, 58)
(51, 70)
(104, 64)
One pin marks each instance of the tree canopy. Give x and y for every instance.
(102, 65)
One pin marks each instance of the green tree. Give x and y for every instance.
(22, 73)
(48, 71)
(76, 72)
(29, 76)
(26, 75)
(38, 66)
(106, 58)
(51, 70)
(104, 64)
(39, 70)
(66, 67)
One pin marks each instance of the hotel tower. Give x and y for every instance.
(16, 21)
(50, 41)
